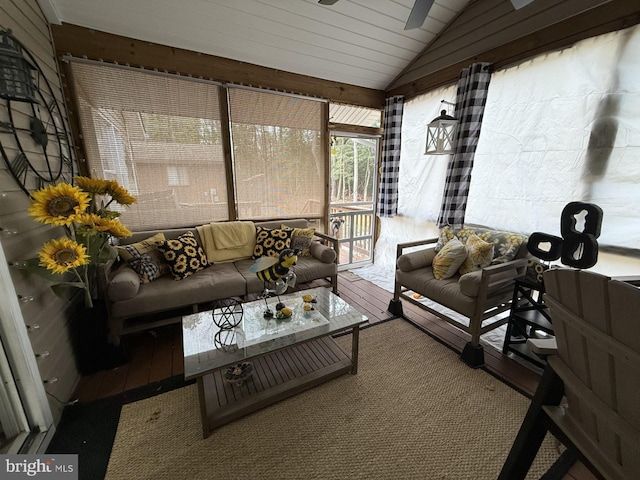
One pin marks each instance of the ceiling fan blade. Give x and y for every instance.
(518, 4)
(327, 2)
(418, 14)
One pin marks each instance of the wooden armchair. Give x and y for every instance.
(479, 296)
(597, 368)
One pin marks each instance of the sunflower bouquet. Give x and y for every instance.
(83, 211)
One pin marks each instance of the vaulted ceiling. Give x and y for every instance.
(355, 42)
(358, 42)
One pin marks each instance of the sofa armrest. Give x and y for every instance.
(416, 259)
(103, 276)
(326, 249)
(117, 281)
(322, 252)
(416, 243)
(123, 284)
(496, 277)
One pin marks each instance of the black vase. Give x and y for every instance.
(89, 333)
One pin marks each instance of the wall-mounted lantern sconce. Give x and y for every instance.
(16, 79)
(441, 134)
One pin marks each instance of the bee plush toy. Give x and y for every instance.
(279, 271)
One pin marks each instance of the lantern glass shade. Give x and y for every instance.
(16, 79)
(441, 135)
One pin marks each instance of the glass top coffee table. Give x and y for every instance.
(285, 356)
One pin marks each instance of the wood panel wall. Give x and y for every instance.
(491, 31)
(96, 45)
(50, 313)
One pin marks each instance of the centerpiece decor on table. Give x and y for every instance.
(83, 211)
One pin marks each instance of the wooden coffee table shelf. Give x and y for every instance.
(276, 376)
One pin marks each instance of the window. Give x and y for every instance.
(178, 176)
(160, 137)
(278, 155)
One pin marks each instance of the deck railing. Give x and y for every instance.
(355, 234)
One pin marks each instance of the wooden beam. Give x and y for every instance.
(96, 45)
(225, 134)
(612, 16)
(355, 129)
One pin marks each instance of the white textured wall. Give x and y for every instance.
(533, 146)
(532, 149)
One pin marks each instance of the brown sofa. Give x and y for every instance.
(478, 296)
(134, 306)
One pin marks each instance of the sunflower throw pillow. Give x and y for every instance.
(445, 235)
(271, 241)
(183, 255)
(479, 255)
(448, 260)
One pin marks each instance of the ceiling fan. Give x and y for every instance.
(421, 9)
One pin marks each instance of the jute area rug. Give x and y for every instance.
(413, 411)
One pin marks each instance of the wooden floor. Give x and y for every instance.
(157, 354)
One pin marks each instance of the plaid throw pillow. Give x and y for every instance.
(145, 258)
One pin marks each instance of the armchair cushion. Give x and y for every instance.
(479, 255)
(448, 260)
(470, 282)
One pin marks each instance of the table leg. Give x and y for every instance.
(355, 335)
(203, 408)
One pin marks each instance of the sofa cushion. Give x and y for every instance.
(479, 255)
(124, 284)
(212, 283)
(448, 260)
(271, 241)
(301, 239)
(470, 282)
(306, 270)
(145, 258)
(183, 255)
(445, 292)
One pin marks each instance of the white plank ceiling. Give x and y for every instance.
(358, 42)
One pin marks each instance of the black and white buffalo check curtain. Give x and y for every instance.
(471, 98)
(390, 165)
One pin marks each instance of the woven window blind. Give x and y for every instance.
(279, 165)
(159, 137)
